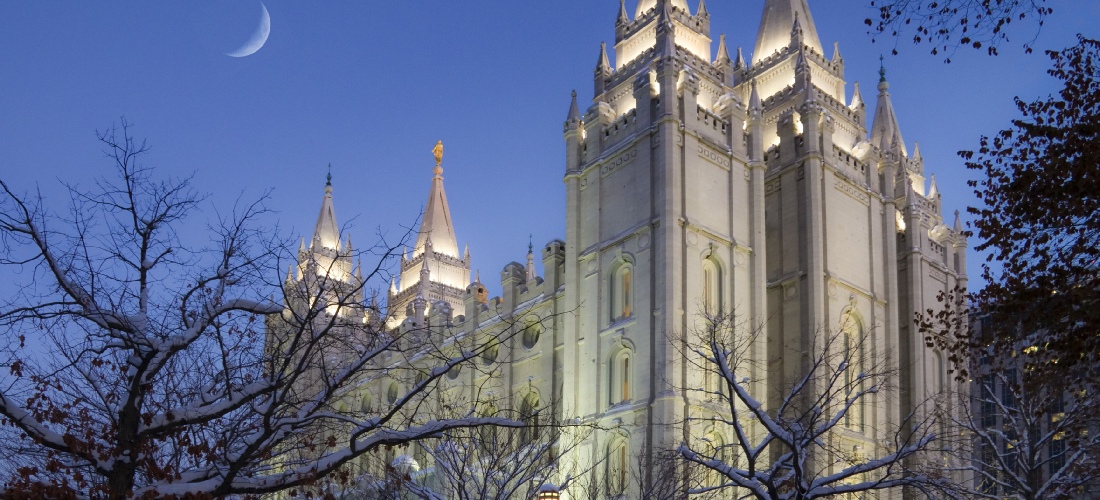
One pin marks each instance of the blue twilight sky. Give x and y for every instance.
(370, 86)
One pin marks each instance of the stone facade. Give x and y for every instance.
(695, 184)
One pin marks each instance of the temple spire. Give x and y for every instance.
(436, 225)
(775, 27)
(723, 52)
(623, 18)
(603, 64)
(885, 132)
(702, 10)
(326, 232)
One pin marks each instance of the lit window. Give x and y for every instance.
(622, 292)
(620, 377)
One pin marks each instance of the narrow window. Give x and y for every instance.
(626, 378)
(619, 377)
(712, 287)
(621, 292)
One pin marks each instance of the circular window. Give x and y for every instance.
(490, 353)
(454, 372)
(531, 334)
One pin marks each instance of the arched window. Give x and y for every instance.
(391, 393)
(532, 330)
(854, 345)
(617, 467)
(491, 350)
(529, 415)
(621, 389)
(715, 447)
(622, 291)
(487, 434)
(712, 287)
(366, 404)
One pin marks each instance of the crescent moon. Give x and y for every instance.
(258, 38)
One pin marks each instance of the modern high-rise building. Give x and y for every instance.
(699, 180)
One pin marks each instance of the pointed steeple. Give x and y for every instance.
(885, 132)
(740, 59)
(436, 224)
(393, 286)
(933, 189)
(623, 18)
(702, 10)
(857, 98)
(290, 273)
(466, 254)
(836, 52)
(723, 53)
(302, 245)
(603, 65)
(916, 153)
(775, 27)
(958, 223)
(574, 110)
(530, 260)
(327, 233)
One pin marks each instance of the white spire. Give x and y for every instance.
(437, 216)
(857, 98)
(623, 18)
(775, 27)
(885, 132)
(933, 189)
(327, 233)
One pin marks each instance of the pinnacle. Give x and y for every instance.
(574, 110)
(723, 53)
(603, 65)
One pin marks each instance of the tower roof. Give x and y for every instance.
(885, 132)
(436, 224)
(327, 233)
(775, 27)
(645, 5)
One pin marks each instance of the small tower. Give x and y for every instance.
(436, 252)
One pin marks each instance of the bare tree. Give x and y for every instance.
(946, 25)
(1024, 436)
(799, 445)
(144, 358)
(499, 463)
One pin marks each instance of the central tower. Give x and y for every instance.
(665, 189)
